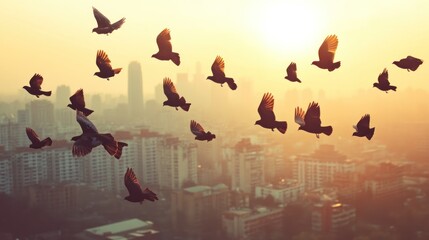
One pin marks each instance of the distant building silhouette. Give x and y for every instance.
(62, 96)
(135, 90)
(5, 172)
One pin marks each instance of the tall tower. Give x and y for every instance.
(135, 90)
(62, 96)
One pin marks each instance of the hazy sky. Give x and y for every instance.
(256, 38)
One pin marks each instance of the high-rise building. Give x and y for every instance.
(135, 90)
(62, 96)
(149, 155)
(5, 173)
(41, 115)
(328, 217)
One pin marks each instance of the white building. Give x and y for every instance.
(150, 147)
(284, 192)
(5, 173)
(29, 166)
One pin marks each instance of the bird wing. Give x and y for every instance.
(118, 24)
(266, 106)
(132, 183)
(218, 67)
(170, 89)
(196, 128)
(328, 48)
(312, 117)
(383, 78)
(291, 70)
(78, 99)
(363, 123)
(32, 135)
(103, 61)
(102, 21)
(299, 116)
(86, 125)
(36, 81)
(81, 148)
(163, 41)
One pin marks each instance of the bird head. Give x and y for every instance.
(314, 63)
(154, 55)
(300, 128)
(97, 74)
(258, 122)
(94, 30)
(127, 198)
(75, 138)
(210, 77)
(354, 134)
(164, 103)
(375, 85)
(71, 106)
(396, 63)
(26, 87)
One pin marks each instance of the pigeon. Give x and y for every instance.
(268, 119)
(78, 103)
(383, 82)
(35, 86)
(135, 192)
(291, 73)
(104, 26)
(199, 132)
(103, 63)
(327, 54)
(90, 138)
(218, 67)
(362, 128)
(35, 140)
(409, 63)
(310, 121)
(165, 51)
(173, 98)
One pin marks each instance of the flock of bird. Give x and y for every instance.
(308, 121)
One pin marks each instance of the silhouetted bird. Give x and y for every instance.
(383, 82)
(310, 121)
(268, 119)
(35, 140)
(165, 49)
(35, 86)
(409, 63)
(199, 132)
(103, 63)
(90, 138)
(362, 128)
(104, 26)
(135, 192)
(327, 54)
(218, 70)
(291, 73)
(173, 98)
(78, 103)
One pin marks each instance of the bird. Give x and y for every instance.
(362, 128)
(35, 140)
(90, 138)
(218, 70)
(291, 73)
(310, 121)
(268, 119)
(104, 26)
(383, 83)
(327, 54)
(409, 63)
(103, 63)
(165, 49)
(173, 98)
(135, 192)
(199, 132)
(35, 86)
(78, 103)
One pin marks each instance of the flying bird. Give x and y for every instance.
(78, 103)
(362, 128)
(90, 138)
(173, 98)
(35, 140)
(103, 63)
(35, 86)
(199, 132)
(327, 54)
(409, 63)
(268, 119)
(104, 26)
(218, 70)
(383, 83)
(291, 73)
(310, 121)
(135, 192)
(165, 49)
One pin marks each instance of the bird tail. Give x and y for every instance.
(175, 58)
(231, 83)
(47, 93)
(393, 88)
(185, 106)
(370, 134)
(118, 153)
(281, 126)
(336, 65)
(149, 195)
(87, 111)
(47, 142)
(109, 143)
(117, 70)
(327, 130)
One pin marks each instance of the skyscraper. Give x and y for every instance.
(135, 90)
(62, 96)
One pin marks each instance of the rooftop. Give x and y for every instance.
(119, 227)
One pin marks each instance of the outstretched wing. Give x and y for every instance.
(103, 61)
(36, 81)
(218, 67)
(81, 148)
(266, 106)
(86, 125)
(170, 89)
(383, 78)
(132, 183)
(78, 99)
(328, 48)
(118, 24)
(299, 116)
(102, 21)
(312, 117)
(163, 41)
(196, 128)
(291, 70)
(32, 135)
(363, 123)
